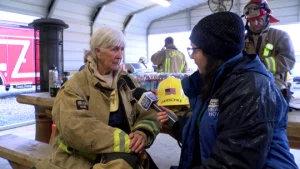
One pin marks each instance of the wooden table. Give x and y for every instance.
(293, 129)
(42, 103)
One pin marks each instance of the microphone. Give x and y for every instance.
(148, 99)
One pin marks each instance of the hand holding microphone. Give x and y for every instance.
(163, 117)
(148, 99)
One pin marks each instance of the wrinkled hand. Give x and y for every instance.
(163, 117)
(137, 142)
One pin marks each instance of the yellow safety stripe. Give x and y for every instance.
(63, 146)
(148, 125)
(167, 65)
(266, 52)
(182, 67)
(271, 64)
(121, 141)
(267, 49)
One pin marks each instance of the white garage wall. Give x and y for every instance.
(76, 37)
(286, 11)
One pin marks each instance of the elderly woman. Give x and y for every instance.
(99, 124)
(239, 116)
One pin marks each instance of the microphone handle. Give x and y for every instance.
(172, 118)
(156, 108)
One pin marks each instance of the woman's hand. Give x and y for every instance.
(162, 116)
(137, 142)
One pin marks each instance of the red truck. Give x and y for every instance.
(17, 58)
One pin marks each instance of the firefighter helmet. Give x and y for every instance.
(170, 93)
(258, 8)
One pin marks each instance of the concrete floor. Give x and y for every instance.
(164, 151)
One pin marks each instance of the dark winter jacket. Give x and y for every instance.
(243, 122)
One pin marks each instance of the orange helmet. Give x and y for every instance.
(258, 8)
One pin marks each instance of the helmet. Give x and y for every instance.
(170, 93)
(258, 8)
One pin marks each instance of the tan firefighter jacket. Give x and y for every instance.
(275, 49)
(170, 60)
(81, 113)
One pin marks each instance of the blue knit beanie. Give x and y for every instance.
(220, 34)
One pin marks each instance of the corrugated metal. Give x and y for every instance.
(285, 11)
(27, 7)
(79, 15)
(76, 40)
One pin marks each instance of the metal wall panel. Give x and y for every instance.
(285, 11)
(76, 40)
(26, 7)
(136, 39)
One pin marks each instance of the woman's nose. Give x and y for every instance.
(120, 53)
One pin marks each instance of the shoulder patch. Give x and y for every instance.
(81, 104)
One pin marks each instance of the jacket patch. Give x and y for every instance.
(81, 104)
(213, 107)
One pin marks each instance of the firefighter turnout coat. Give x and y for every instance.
(275, 49)
(170, 60)
(82, 112)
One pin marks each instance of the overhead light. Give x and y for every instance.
(163, 3)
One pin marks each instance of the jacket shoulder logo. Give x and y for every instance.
(213, 107)
(81, 104)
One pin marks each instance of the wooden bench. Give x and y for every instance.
(293, 129)
(23, 153)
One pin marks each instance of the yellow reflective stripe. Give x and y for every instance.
(266, 52)
(268, 63)
(269, 46)
(63, 146)
(182, 67)
(166, 65)
(121, 141)
(117, 140)
(271, 64)
(169, 63)
(127, 142)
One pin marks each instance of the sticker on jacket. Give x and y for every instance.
(81, 104)
(213, 107)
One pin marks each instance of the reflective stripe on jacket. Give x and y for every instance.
(275, 48)
(170, 60)
(81, 113)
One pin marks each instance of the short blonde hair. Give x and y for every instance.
(106, 37)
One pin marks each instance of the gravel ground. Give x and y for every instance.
(12, 112)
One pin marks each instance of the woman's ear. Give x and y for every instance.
(98, 52)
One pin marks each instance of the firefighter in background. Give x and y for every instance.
(98, 123)
(274, 47)
(171, 96)
(169, 59)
